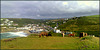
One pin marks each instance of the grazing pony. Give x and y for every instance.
(71, 34)
(43, 34)
(82, 34)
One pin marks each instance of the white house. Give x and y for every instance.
(12, 27)
(7, 20)
(55, 27)
(9, 24)
(11, 21)
(1, 19)
(46, 22)
(39, 30)
(64, 22)
(57, 31)
(1, 24)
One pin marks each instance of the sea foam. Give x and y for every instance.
(13, 34)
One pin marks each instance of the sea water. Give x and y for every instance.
(13, 35)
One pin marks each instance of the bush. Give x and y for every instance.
(87, 37)
(55, 34)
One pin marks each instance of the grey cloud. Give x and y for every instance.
(45, 9)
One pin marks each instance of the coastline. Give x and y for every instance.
(24, 31)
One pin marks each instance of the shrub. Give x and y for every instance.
(55, 34)
(87, 37)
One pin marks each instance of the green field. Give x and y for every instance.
(52, 43)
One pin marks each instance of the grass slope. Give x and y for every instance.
(89, 24)
(51, 43)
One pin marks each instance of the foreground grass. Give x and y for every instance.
(51, 43)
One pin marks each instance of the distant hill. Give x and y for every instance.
(22, 21)
(85, 23)
(89, 24)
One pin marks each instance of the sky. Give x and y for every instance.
(48, 9)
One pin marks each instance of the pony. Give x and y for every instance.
(71, 34)
(43, 34)
(82, 34)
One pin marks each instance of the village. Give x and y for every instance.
(30, 25)
(7, 24)
(34, 28)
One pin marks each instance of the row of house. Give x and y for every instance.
(7, 22)
(34, 28)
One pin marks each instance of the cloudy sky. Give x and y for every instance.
(48, 9)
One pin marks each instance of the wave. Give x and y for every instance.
(13, 34)
(21, 34)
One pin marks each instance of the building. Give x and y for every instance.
(57, 31)
(1, 24)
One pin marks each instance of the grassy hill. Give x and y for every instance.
(52, 43)
(89, 24)
(86, 23)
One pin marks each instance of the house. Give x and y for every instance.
(7, 20)
(4, 27)
(12, 27)
(36, 30)
(66, 19)
(11, 21)
(1, 24)
(22, 28)
(8, 24)
(1, 19)
(39, 30)
(64, 22)
(46, 22)
(57, 31)
(55, 27)
(15, 24)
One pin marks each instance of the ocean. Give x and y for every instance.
(7, 35)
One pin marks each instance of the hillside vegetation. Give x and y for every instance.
(89, 24)
(86, 23)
